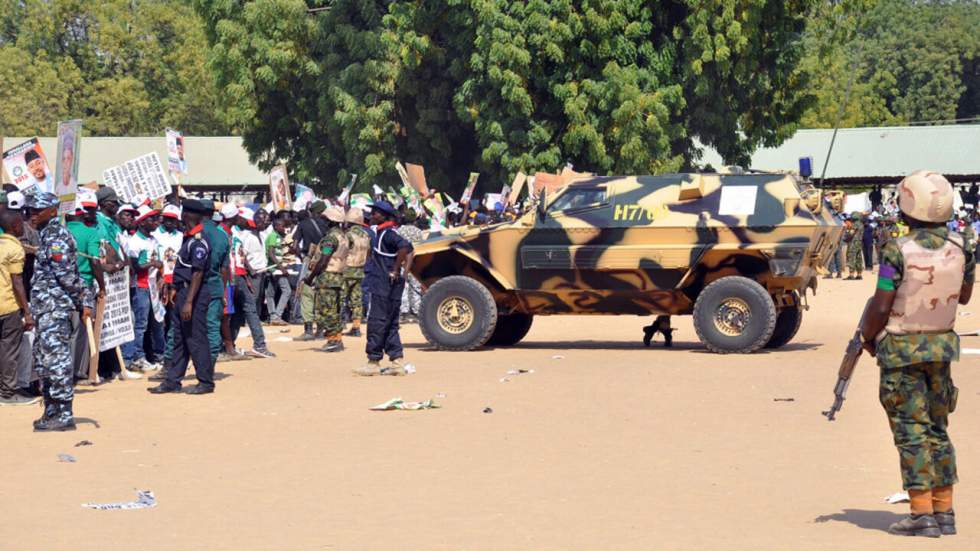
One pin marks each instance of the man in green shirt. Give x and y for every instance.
(82, 226)
(216, 276)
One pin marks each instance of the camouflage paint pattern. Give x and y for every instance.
(329, 286)
(917, 399)
(354, 295)
(648, 245)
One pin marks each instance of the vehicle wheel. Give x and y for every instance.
(787, 324)
(511, 328)
(457, 313)
(734, 314)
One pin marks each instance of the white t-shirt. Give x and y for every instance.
(250, 249)
(168, 246)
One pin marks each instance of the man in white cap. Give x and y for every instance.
(141, 248)
(169, 238)
(250, 261)
(82, 226)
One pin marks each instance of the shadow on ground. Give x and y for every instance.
(621, 345)
(869, 520)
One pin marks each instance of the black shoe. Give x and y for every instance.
(916, 525)
(858, 277)
(668, 338)
(946, 522)
(163, 389)
(62, 420)
(355, 332)
(199, 389)
(648, 335)
(305, 337)
(335, 346)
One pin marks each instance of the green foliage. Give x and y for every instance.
(908, 60)
(611, 86)
(127, 67)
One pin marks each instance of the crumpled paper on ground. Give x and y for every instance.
(900, 497)
(144, 500)
(398, 403)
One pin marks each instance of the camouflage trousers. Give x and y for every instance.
(917, 399)
(855, 260)
(354, 295)
(328, 300)
(411, 296)
(52, 355)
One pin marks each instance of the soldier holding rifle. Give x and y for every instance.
(908, 326)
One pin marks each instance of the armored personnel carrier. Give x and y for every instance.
(735, 251)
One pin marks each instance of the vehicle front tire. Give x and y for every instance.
(734, 314)
(787, 324)
(511, 329)
(457, 313)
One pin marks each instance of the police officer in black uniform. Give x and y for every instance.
(384, 279)
(189, 317)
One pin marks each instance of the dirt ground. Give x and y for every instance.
(606, 445)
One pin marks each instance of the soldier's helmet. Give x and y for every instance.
(926, 196)
(334, 214)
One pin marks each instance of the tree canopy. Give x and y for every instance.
(126, 67)
(499, 86)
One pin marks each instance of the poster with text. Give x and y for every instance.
(27, 167)
(279, 188)
(138, 180)
(175, 152)
(117, 321)
(66, 165)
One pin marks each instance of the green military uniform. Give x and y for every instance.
(358, 239)
(916, 389)
(219, 242)
(330, 283)
(855, 260)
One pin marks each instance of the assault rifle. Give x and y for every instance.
(847, 365)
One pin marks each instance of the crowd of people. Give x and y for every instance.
(198, 273)
(866, 233)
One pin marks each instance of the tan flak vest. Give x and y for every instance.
(926, 300)
(339, 257)
(360, 244)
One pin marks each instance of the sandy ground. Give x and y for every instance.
(611, 446)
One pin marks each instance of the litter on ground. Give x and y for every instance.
(398, 403)
(144, 500)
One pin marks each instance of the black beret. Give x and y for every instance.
(193, 205)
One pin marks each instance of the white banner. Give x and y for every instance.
(117, 320)
(138, 180)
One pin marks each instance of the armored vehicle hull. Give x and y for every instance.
(738, 252)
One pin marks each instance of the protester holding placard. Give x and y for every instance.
(142, 253)
(81, 225)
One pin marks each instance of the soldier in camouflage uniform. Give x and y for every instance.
(909, 327)
(412, 295)
(852, 236)
(57, 290)
(328, 277)
(359, 243)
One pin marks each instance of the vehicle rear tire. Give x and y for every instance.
(457, 313)
(511, 328)
(787, 324)
(734, 315)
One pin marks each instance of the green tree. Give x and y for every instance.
(505, 85)
(127, 67)
(908, 61)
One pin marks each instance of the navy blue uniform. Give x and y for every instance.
(191, 337)
(384, 307)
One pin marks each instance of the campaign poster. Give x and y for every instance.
(139, 180)
(117, 320)
(516, 188)
(175, 152)
(279, 188)
(66, 165)
(470, 186)
(27, 167)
